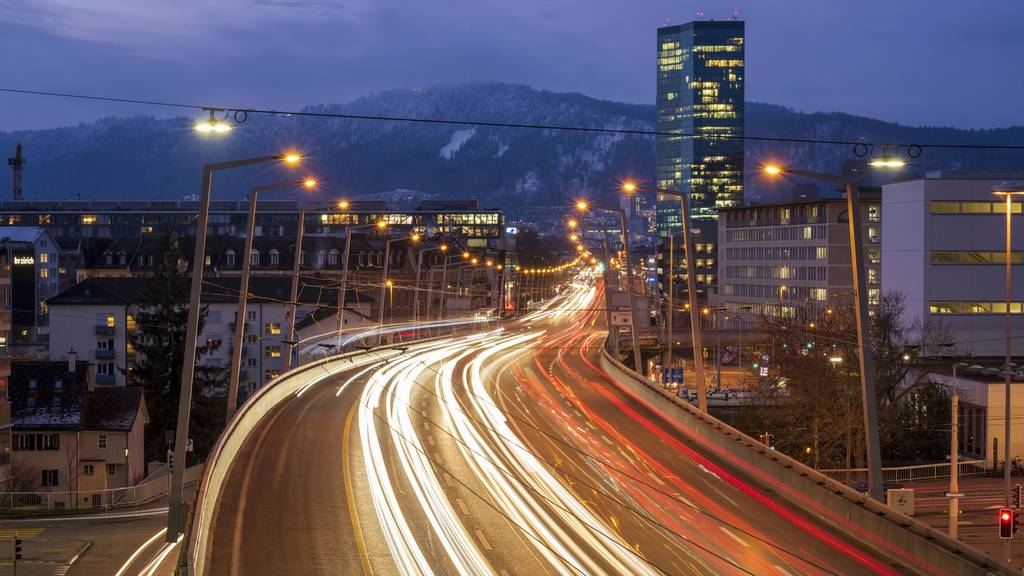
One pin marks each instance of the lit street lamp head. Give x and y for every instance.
(443, 247)
(212, 125)
(629, 187)
(382, 225)
(309, 183)
(465, 255)
(582, 205)
(572, 223)
(343, 204)
(887, 162)
(772, 169)
(291, 158)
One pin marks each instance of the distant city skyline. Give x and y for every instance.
(914, 62)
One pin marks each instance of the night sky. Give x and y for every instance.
(936, 62)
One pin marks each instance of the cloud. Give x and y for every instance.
(150, 26)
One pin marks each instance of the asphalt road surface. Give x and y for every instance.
(508, 452)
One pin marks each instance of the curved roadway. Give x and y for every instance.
(506, 452)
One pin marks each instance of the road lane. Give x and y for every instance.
(508, 452)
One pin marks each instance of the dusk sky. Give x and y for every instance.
(915, 62)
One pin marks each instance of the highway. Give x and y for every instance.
(507, 452)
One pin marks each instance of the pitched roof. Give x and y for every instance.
(44, 395)
(113, 409)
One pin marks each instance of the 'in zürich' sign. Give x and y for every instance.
(24, 260)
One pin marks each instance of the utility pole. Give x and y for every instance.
(17, 164)
(954, 472)
(290, 346)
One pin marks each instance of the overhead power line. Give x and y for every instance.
(492, 124)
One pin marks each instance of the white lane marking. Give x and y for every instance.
(706, 471)
(154, 564)
(733, 536)
(483, 540)
(462, 506)
(783, 570)
(138, 551)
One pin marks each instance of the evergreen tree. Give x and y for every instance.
(159, 344)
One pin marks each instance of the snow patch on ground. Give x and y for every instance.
(459, 137)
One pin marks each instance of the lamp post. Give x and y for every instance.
(175, 510)
(243, 289)
(384, 281)
(584, 206)
(864, 352)
(293, 302)
(1007, 190)
(416, 288)
(691, 287)
(343, 287)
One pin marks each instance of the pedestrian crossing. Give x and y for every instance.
(23, 533)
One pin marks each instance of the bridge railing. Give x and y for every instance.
(892, 533)
(910, 473)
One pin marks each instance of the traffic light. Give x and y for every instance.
(17, 547)
(1018, 496)
(170, 460)
(1006, 522)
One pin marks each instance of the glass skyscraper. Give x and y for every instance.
(700, 105)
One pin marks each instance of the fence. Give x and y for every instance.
(909, 473)
(148, 490)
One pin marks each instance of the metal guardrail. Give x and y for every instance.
(854, 504)
(146, 491)
(910, 473)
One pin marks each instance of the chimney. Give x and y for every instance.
(72, 360)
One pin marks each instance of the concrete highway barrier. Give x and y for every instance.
(898, 536)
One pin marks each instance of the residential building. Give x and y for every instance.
(71, 437)
(944, 250)
(780, 258)
(33, 255)
(700, 115)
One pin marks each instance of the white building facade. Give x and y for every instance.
(944, 250)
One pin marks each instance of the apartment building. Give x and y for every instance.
(779, 258)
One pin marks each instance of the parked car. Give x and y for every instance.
(992, 371)
(975, 369)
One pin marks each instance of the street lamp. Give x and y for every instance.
(243, 289)
(384, 281)
(380, 225)
(1007, 190)
(176, 506)
(584, 206)
(691, 286)
(212, 125)
(864, 352)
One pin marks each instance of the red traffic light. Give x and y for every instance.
(1006, 517)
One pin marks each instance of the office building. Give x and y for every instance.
(779, 259)
(944, 250)
(700, 106)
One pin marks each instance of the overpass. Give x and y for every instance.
(525, 450)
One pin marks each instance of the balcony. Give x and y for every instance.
(105, 379)
(104, 354)
(104, 330)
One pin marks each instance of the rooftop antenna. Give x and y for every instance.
(17, 164)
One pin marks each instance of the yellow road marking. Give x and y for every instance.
(364, 558)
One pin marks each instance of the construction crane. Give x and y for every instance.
(17, 164)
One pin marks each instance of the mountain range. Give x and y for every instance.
(142, 157)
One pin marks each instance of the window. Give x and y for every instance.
(251, 362)
(969, 307)
(88, 469)
(273, 328)
(332, 258)
(111, 321)
(105, 344)
(129, 322)
(101, 441)
(272, 352)
(229, 258)
(269, 375)
(254, 258)
(251, 314)
(44, 272)
(320, 258)
(105, 368)
(50, 478)
(275, 258)
(44, 258)
(974, 257)
(111, 469)
(251, 338)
